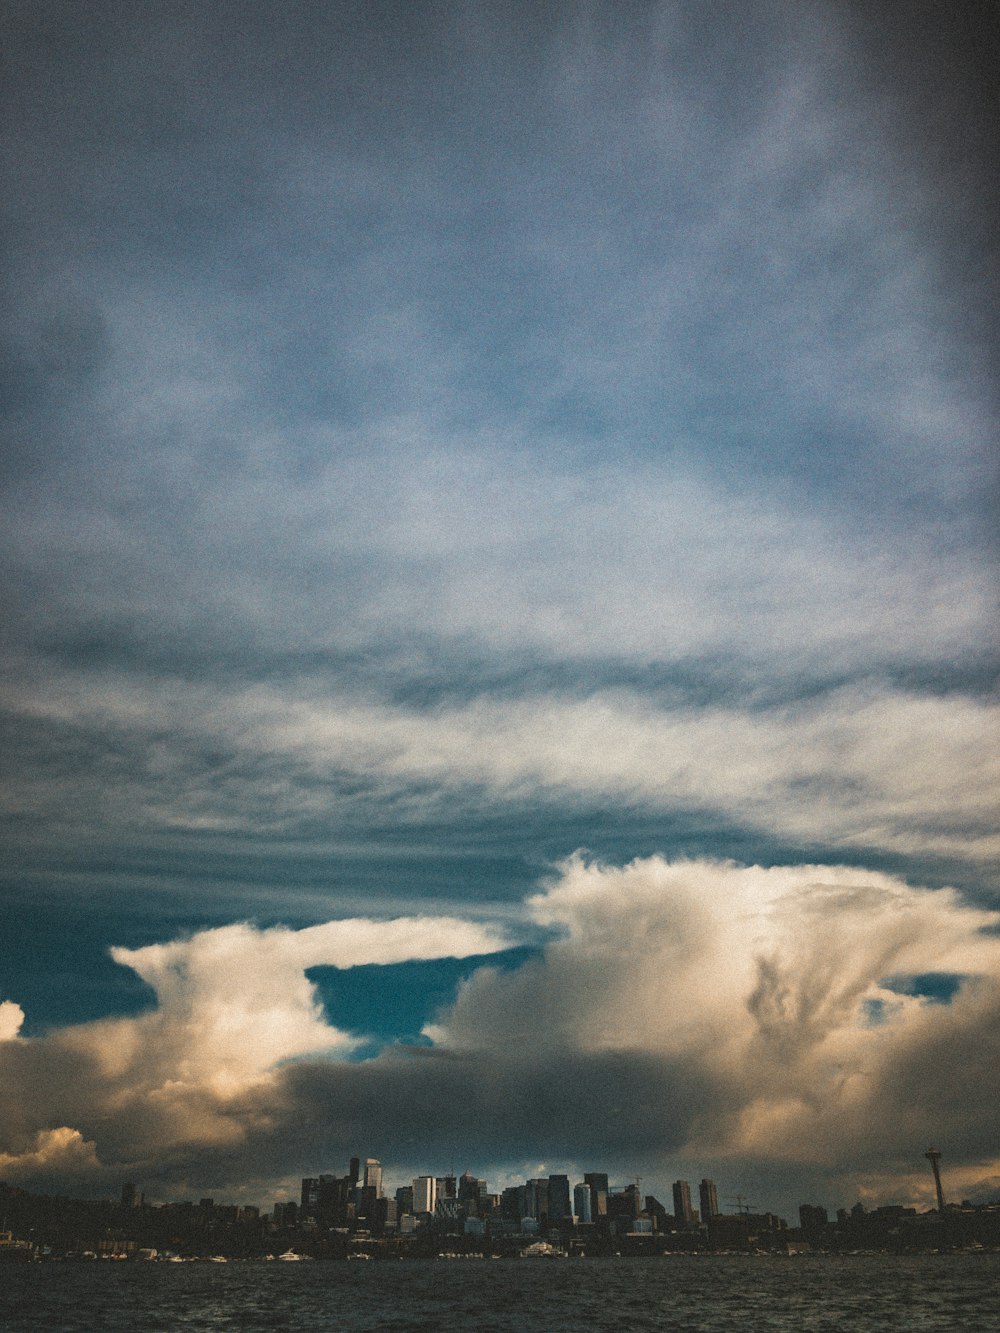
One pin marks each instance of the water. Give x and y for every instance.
(683, 1292)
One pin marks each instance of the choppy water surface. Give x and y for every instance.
(938, 1292)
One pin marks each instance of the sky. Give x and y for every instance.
(498, 631)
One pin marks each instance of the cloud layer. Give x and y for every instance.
(779, 1023)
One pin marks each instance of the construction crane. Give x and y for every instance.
(740, 1204)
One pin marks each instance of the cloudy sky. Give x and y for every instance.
(498, 625)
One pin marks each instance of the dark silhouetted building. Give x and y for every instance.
(812, 1220)
(598, 1182)
(560, 1206)
(683, 1211)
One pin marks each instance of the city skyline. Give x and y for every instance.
(499, 598)
(356, 1216)
(361, 1201)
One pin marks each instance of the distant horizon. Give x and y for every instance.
(733, 1206)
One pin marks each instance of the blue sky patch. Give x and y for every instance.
(937, 987)
(392, 1003)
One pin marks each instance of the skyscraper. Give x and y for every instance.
(560, 1209)
(310, 1195)
(468, 1188)
(581, 1204)
(424, 1194)
(683, 1212)
(708, 1200)
(373, 1176)
(536, 1198)
(598, 1182)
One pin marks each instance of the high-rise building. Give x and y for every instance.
(812, 1218)
(424, 1194)
(367, 1203)
(581, 1204)
(598, 1182)
(683, 1211)
(373, 1176)
(708, 1199)
(512, 1202)
(468, 1188)
(560, 1209)
(310, 1196)
(385, 1215)
(631, 1193)
(536, 1198)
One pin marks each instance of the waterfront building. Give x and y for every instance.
(581, 1205)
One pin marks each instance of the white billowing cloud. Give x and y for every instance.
(673, 951)
(697, 1011)
(55, 1153)
(234, 1002)
(11, 1019)
(768, 987)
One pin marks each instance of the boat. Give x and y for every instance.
(541, 1249)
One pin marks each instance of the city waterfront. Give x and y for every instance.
(683, 1292)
